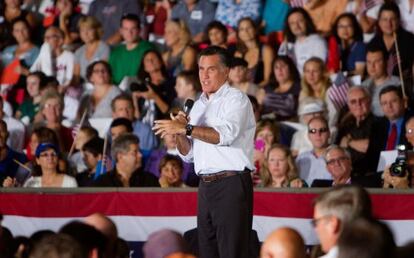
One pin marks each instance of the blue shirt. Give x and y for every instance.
(8, 167)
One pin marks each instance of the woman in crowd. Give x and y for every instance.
(9, 11)
(97, 102)
(180, 56)
(389, 34)
(280, 169)
(217, 34)
(301, 40)
(154, 102)
(315, 83)
(35, 83)
(258, 56)
(47, 173)
(348, 34)
(280, 97)
(239, 77)
(94, 49)
(171, 170)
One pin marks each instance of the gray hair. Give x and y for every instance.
(361, 88)
(122, 143)
(335, 147)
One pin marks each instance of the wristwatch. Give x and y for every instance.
(188, 129)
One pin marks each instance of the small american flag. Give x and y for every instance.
(337, 93)
(298, 3)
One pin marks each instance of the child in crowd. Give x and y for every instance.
(85, 134)
(187, 86)
(238, 77)
(91, 154)
(171, 170)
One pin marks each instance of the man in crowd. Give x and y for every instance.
(218, 136)
(128, 169)
(125, 59)
(311, 164)
(283, 242)
(377, 77)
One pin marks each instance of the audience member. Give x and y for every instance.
(163, 243)
(120, 126)
(231, 12)
(125, 59)
(324, 13)
(187, 86)
(108, 228)
(180, 55)
(58, 245)
(84, 134)
(91, 154)
(16, 130)
(171, 171)
(311, 164)
(280, 96)
(377, 77)
(239, 77)
(366, 15)
(217, 34)
(301, 40)
(258, 56)
(128, 169)
(283, 243)
(280, 169)
(196, 14)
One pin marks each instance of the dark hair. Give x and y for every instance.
(131, 17)
(293, 70)
(45, 134)
(310, 26)
(240, 45)
(42, 79)
(358, 33)
(238, 61)
(223, 54)
(372, 48)
(392, 88)
(122, 121)
(217, 25)
(170, 158)
(89, 70)
(94, 146)
(392, 7)
(142, 74)
(191, 77)
(57, 245)
(23, 20)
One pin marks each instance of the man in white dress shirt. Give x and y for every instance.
(218, 137)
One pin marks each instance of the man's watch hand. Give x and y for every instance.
(189, 129)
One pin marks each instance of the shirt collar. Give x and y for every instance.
(216, 94)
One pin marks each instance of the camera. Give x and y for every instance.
(399, 167)
(140, 87)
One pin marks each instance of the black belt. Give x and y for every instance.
(208, 178)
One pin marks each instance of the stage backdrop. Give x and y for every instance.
(139, 212)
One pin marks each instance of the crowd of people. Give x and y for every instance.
(331, 84)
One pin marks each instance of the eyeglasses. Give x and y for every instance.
(315, 222)
(320, 130)
(45, 155)
(334, 161)
(358, 101)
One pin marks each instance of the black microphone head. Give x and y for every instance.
(188, 105)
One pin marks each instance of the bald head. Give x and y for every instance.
(104, 224)
(283, 243)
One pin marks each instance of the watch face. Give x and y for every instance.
(188, 129)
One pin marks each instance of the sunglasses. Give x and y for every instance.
(321, 130)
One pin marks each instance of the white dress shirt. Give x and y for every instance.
(230, 113)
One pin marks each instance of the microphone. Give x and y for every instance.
(188, 105)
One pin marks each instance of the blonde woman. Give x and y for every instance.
(180, 56)
(315, 83)
(94, 49)
(280, 169)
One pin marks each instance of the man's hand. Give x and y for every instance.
(175, 126)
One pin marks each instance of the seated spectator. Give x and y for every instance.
(280, 169)
(280, 96)
(128, 169)
(107, 227)
(366, 16)
(35, 84)
(187, 86)
(125, 59)
(378, 77)
(230, 12)
(196, 14)
(65, 15)
(274, 16)
(8, 167)
(171, 170)
(238, 77)
(324, 13)
(389, 34)
(123, 107)
(315, 83)
(46, 173)
(109, 13)
(91, 153)
(15, 128)
(164, 243)
(97, 102)
(349, 38)
(51, 109)
(156, 14)
(120, 126)
(301, 40)
(311, 164)
(84, 134)
(57, 245)
(258, 56)
(390, 129)
(284, 242)
(180, 56)
(11, 10)
(155, 99)
(94, 49)
(217, 34)
(355, 127)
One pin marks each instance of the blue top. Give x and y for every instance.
(8, 167)
(274, 15)
(356, 53)
(29, 57)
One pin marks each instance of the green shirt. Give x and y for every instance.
(127, 62)
(27, 108)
